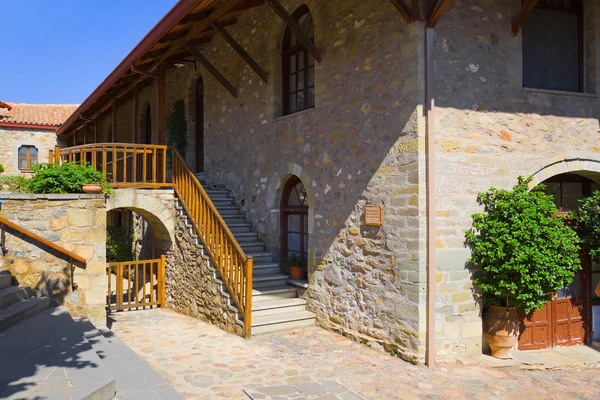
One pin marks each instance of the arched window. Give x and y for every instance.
(148, 126)
(28, 156)
(294, 219)
(298, 66)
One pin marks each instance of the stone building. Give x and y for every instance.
(309, 112)
(28, 133)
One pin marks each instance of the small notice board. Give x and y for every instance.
(374, 215)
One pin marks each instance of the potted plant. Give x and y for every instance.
(295, 266)
(524, 253)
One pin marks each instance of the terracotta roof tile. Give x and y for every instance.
(36, 114)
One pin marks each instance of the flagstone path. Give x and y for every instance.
(203, 362)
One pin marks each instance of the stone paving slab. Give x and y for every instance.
(327, 390)
(204, 362)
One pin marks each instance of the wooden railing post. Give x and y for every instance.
(51, 157)
(162, 277)
(248, 305)
(57, 155)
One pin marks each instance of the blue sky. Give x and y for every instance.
(59, 51)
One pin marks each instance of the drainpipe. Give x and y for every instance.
(431, 198)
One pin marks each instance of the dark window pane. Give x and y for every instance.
(294, 223)
(293, 63)
(553, 189)
(294, 241)
(292, 83)
(571, 193)
(292, 103)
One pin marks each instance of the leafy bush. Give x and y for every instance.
(588, 225)
(524, 252)
(1, 168)
(294, 261)
(17, 183)
(66, 178)
(118, 244)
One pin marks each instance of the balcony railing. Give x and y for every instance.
(123, 165)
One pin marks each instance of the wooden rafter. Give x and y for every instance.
(524, 12)
(438, 10)
(173, 36)
(211, 68)
(415, 10)
(240, 51)
(403, 10)
(293, 25)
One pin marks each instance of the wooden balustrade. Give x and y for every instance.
(123, 165)
(132, 279)
(224, 251)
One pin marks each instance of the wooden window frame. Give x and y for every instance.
(287, 210)
(28, 148)
(297, 50)
(580, 11)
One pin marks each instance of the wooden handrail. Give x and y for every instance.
(123, 164)
(28, 233)
(233, 265)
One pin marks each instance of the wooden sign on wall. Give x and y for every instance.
(374, 215)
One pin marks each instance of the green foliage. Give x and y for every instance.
(177, 127)
(525, 253)
(1, 168)
(118, 244)
(294, 261)
(66, 178)
(588, 225)
(17, 183)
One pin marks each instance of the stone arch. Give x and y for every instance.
(275, 43)
(582, 164)
(274, 193)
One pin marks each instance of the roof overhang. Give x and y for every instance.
(28, 126)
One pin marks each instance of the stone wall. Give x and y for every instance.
(75, 222)
(489, 131)
(13, 138)
(192, 288)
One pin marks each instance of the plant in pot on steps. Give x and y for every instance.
(295, 266)
(522, 253)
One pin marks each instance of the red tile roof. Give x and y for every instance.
(35, 114)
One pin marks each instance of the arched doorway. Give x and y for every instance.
(200, 125)
(567, 320)
(294, 219)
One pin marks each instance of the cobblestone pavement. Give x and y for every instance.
(203, 362)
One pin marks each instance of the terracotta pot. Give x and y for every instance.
(92, 188)
(296, 273)
(501, 330)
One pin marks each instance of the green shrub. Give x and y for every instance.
(525, 253)
(118, 244)
(588, 225)
(1, 168)
(294, 261)
(17, 183)
(66, 178)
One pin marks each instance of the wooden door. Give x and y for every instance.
(200, 126)
(536, 331)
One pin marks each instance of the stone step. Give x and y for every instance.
(265, 268)
(50, 358)
(17, 312)
(281, 322)
(217, 194)
(228, 202)
(14, 294)
(260, 256)
(234, 219)
(240, 228)
(265, 281)
(278, 306)
(135, 378)
(252, 247)
(5, 280)
(273, 293)
(200, 176)
(243, 237)
(227, 211)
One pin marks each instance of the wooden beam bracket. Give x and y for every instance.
(141, 72)
(293, 25)
(436, 13)
(240, 51)
(524, 12)
(211, 68)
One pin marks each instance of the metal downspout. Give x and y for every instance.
(431, 197)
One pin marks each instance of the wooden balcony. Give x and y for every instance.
(123, 165)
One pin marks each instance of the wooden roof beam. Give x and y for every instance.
(173, 36)
(210, 68)
(524, 12)
(416, 10)
(240, 51)
(293, 25)
(438, 10)
(403, 10)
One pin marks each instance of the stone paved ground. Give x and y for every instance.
(203, 362)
